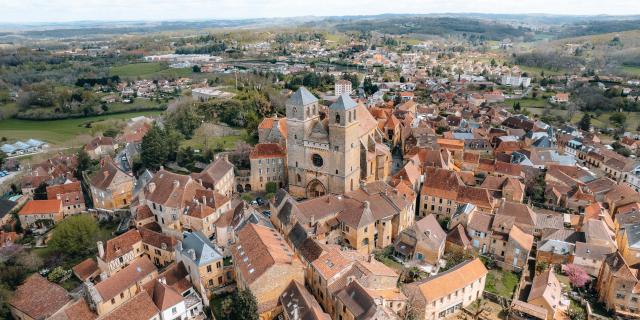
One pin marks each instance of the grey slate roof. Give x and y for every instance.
(344, 102)
(204, 249)
(302, 97)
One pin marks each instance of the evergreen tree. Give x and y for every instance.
(154, 148)
(585, 122)
(245, 305)
(84, 163)
(40, 193)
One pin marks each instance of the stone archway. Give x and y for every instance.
(247, 187)
(315, 189)
(239, 188)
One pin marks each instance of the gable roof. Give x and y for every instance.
(38, 298)
(456, 278)
(140, 307)
(125, 278)
(259, 248)
(103, 177)
(120, 245)
(298, 303)
(547, 287)
(41, 207)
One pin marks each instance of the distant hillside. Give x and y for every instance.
(597, 27)
(440, 26)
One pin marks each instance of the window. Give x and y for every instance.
(121, 295)
(317, 160)
(210, 282)
(298, 176)
(113, 300)
(218, 264)
(174, 310)
(209, 268)
(337, 119)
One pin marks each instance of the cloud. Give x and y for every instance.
(74, 10)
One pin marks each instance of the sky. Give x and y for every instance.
(20, 11)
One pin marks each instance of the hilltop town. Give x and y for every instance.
(313, 176)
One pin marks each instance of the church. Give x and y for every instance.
(332, 150)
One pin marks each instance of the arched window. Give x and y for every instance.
(337, 119)
(349, 117)
(298, 178)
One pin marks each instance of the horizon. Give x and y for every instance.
(38, 11)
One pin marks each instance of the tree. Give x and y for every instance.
(241, 304)
(185, 119)
(577, 276)
(585, 122)
(154, 150)
(618, 119)
(84, 163)
(111, 132)
(196, 69)
(3, 158)
(369, 87)
(478, 308)
(75, 236)
(40, 193)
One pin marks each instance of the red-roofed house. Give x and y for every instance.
(71, 196)
(41, 213)
(268, 164)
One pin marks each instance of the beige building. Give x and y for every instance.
(617, 287)
(203, 262)
(333, 154)
(266, 265)
(546, 293)
(219, 176)
(445, 294)
(119, 288)
(268, 165)
(111, 188)
(41, 213)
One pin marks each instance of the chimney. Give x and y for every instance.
(192, 254)
(105, 173)
(366, 205)
(204, 200)
(161, 168)
(179, 246)
(100, 249)
(163, 280)
(371, 258)
(152, 187)
(313, 220)
(176, 183)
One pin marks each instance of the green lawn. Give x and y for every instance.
(58, 131)
(528, 102)
(634, 70)
(201, 141)
(148, 69)
(502, 283)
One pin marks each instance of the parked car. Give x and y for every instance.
(260, 201)
(266, 213)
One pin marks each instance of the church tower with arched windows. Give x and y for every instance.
(324, 155)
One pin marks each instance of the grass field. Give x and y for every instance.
(58, 132)
(148, 69)
(634, 70)
(201, 142)
(502, 283)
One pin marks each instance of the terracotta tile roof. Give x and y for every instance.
(458, 236)
(103, 177)
(125, 278)
(143, 212)
(70, 193)
(268, 123)
(298, 302)
(177, 277)
(120, 245)
(214, 171)
(99, 141)
(41, 207)
(480, 222)
(547, 287)
(158, 239)
(86, 269)
(38, 298)
(521, 213)
(258, 249)
(524, 240)
(268, 150)
(140, 307)
(162, 295)
(79, 310)
(447, 282)
(171, 189)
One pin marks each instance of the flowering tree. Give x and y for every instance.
(577, 276)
